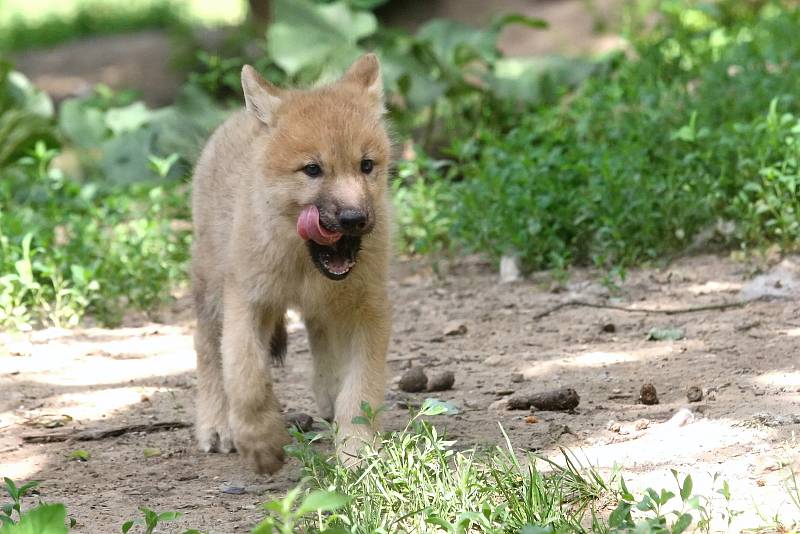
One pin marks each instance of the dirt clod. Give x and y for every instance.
(414, 380)
(531, 420)
(648, 394)
(641, 424)
(442, 381)
(517, 377)
(556, 400)
(694, 394)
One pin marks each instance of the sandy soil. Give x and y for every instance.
(745, 359)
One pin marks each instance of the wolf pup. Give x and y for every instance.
(291, 210)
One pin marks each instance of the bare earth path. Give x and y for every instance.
(745, 359)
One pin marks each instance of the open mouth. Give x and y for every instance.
(336, 260)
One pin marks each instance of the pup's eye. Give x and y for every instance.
(367, 166)
(313, 170)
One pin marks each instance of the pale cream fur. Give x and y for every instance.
(249, 264)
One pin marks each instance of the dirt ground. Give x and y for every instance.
(745, 359)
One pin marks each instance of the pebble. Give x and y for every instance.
(455, 328)
(499, 405)
(517, 377)
(442, 381)
(232, 489)
(694, 394)
(414, 380)
(641, 424)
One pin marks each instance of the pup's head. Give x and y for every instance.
(326, 159)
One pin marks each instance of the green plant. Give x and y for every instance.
(645, 155)
(150, 520)
(285, 516)
(16, 494)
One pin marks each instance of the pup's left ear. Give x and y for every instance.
(366, 73)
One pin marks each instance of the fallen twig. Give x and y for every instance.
(93, 435)
(302, 421)
(671, 311)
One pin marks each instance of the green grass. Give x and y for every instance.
(416, 480)
(38, 23)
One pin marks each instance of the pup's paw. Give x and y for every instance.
(261, 441)
(215, 437)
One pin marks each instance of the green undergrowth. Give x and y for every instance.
(698, 128)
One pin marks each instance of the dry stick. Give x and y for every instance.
(300, 420)
(673, 311)
(92, 435)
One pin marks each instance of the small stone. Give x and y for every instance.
(517, 377)
(233, 489)
(641, 424)
(496, 360)
(504, 392)
(442, 381)
(454, 328)
(609, 328)
(648, 394)
(414, 380)
(509, 269)
(531, 420)
(499, 405)
(613, 426)
(694, 394)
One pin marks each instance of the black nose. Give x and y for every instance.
(352, 220)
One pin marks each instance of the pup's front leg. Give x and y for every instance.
(258, 429)
(349, 352)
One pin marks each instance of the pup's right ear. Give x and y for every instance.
(260, 97)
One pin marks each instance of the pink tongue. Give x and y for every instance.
(309, 228)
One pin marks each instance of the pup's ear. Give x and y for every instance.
(260, 97)
(366, 73)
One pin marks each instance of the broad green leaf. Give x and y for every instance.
(44, 519)
(127, 119)
(82, 124)
(682, 523)
(438, 407)
(322, 501)
(686, 488)
(336, 30)
(169, 516)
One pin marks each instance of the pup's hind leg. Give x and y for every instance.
(349, 350)
(259, 432)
